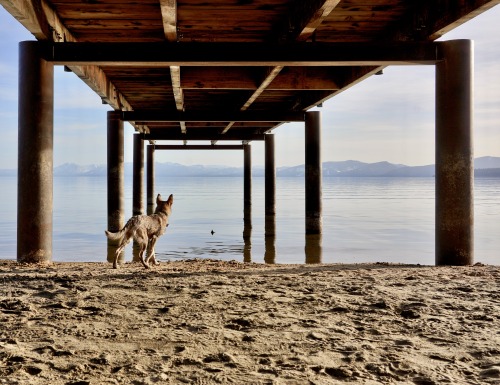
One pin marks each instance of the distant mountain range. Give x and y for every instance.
(486, 166)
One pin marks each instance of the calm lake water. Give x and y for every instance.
(364, 220)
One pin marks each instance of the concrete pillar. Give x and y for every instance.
(35, 156)
(247, 203)
(454, 154)
(116, 205)
(137, 187)
(138, 176)
(151, 179)
(270, 176)
(313, 173)
(247, 176)
(270, 200)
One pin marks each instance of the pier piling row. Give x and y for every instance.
(454, 167)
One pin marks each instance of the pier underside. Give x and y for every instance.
(236, 71)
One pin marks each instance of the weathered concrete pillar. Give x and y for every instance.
(247, 203)
(454, 154)
(150, 182)
(247, 176)
(116, 205)
(313, 173)
(35, 156)
(138, 176)
(270, 200)
(137, 186)
(270, 176)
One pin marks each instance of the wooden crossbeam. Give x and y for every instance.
(198, 147)
(169, 17)
(206, 136)
(209, 116)
(306, 16)
(240, 54)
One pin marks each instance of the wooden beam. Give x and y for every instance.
(30, 15)
(309, 15)
(305, 30)
(199, 147)
(175, 75)
(169, 17)
(271, 75)
(212, 116)
(431, 19)
(239, 54)
(44, 23)
(457, 13)
(351, 76)
(207, 136)
(303, 18)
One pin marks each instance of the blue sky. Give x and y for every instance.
(389, 117)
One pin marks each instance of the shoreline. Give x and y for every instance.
(209, 321)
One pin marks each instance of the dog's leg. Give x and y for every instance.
(141, 237)
(120, 248)
(142, 254)
(152, 255)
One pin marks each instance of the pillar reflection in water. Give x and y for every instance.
(247, 234)
(313, 249)
(270, 239)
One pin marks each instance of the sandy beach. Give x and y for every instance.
(212, 322)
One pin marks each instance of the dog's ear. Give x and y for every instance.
(158, 199)
(170, 199)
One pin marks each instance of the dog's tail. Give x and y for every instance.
(114, 236)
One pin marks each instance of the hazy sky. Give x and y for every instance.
(389, 117)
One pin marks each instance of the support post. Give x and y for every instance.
(150, 179)
(247, 177)
(115, 178)
(138, 176)
(137, 187)
(270, 176)
(270, 200)
(35, 156)
(313, 173)
(247, 203)
(454, 154)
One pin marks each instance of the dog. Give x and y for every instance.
(145, 229)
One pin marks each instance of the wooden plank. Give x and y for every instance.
(30, 16)
(171, 135)
(431, 19)
(198, 147)
(169, 17)
(212, 116)
(45, 24)
(320, 11)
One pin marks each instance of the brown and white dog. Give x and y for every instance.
(144, 229)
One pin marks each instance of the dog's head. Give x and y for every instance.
(164, 206)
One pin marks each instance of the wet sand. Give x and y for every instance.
(211, 322)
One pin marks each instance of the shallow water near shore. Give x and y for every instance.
(364, 220)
